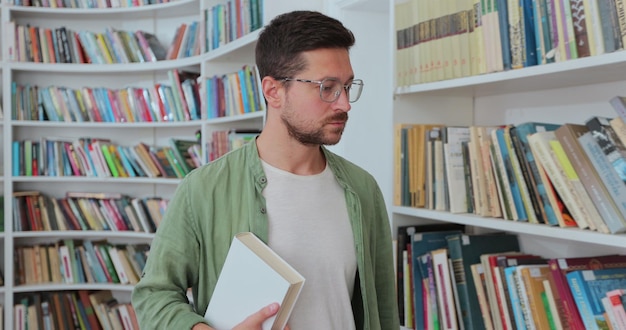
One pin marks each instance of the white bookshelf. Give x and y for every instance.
(161, 20)
(570, 91)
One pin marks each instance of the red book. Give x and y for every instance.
(92, 104)
(80, 50)
(562, 266)
(174, 49)
(34, 44)
(73, 158)
(72, 221)
(50, 40)
(32, 217)
(142, 103)
(83, 295)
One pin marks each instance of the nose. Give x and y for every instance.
(342, 101)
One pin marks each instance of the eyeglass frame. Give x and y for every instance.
(346, 87)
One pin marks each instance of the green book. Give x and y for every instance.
(103, 248)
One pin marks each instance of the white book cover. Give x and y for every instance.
(253, 277)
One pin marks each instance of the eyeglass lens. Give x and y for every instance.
(331, 89)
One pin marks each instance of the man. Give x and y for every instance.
(319, 212)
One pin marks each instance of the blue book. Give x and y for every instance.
(244, 88)
(17, 156)
(589, 287)
(422, 243)
(505, 40)
(511, 282)
(125, 162)
(512, 180)
(80, 274)
(126, 154)
(535, 184)
(94, 264)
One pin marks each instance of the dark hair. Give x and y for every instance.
(282, 41)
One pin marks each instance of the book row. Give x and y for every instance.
(75, 262)
(178, 99)
(85, 3)
(63, 45)
(187, 41)
(227, 140)
(95, 157)
(569, 175)
(35, 211)
(234, 93)
(452, 280)
(81, 309)
(452, 39)
(228, 21)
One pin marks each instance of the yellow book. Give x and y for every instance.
(104, 49)
(593, 216)
(540, 146)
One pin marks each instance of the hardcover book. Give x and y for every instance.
(589, 287)
(560, 267)
(465, 250)
(424, 243)
(253, 276)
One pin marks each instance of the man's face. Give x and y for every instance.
(308, 118)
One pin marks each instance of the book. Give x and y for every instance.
(568, 135)
(478, 276)
(619, 105)
(610, 178)
(589, 287)
(533, 277)
(615, 301)
(253, 276)
(404, 239)
(540, 144)
(560, 267)
(465, 250)
(424, 242)
(538, 188)
(443, 282)
(454, 165)
(609, 142)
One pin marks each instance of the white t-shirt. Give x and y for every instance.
(309, 227)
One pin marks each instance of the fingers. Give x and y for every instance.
(255, 320)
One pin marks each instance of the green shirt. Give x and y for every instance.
(223, 198)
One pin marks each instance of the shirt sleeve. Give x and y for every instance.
(160, 299)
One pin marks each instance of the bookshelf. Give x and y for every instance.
(158, 19)
(570, 91)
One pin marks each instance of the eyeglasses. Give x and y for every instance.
(331, 88)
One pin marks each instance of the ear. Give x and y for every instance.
(273, 91)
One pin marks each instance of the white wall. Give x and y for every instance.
(368, 138)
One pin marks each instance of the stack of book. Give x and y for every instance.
(569, 175)
(35, 211)
(96, 157)
(177, 99)
(451, 280)
(72, 262)
(439, 41)
(73, 310)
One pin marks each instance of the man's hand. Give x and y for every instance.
(252, 322)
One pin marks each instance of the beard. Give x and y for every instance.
(319, 136)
